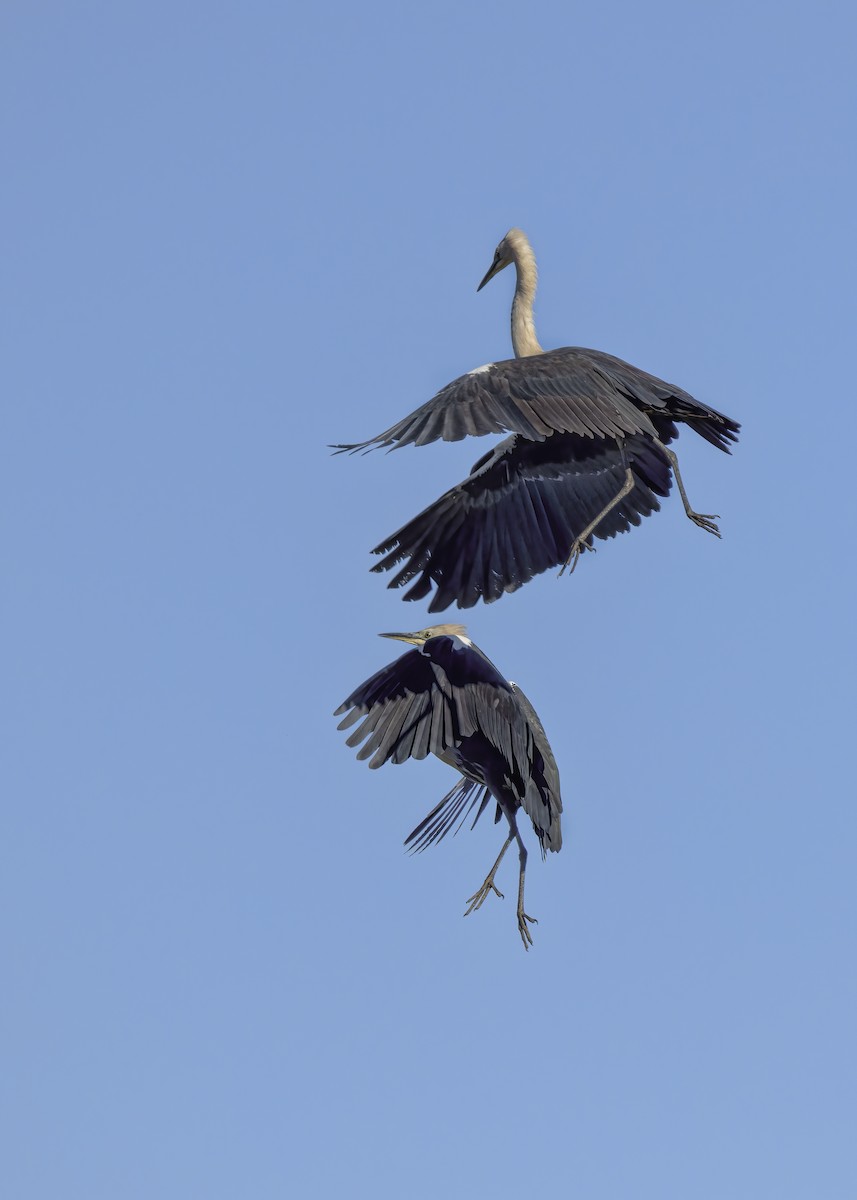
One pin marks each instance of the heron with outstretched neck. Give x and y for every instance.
(588, 457)
(446, 698)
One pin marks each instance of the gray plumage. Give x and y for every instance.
(448, 699)
(588, 457)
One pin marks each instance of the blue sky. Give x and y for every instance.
(235, 234)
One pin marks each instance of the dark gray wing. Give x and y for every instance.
(404, 713)
(542, 801)
(430, 700)
(571, 390)
(518, 513)
(558, 391)
(665, 403)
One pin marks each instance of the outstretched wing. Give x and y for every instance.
(558, 391)
(571, 390)
(405, 714)
(427, 702)
(518, 513)
(665, 403)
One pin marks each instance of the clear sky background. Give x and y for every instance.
(233, 234)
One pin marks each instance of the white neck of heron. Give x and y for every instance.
(524, 338)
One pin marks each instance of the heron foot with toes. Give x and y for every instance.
(478, 898)
(706, 521)
(574, 554)
(526, 936)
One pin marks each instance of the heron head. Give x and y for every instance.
(420, 638)
(505, 254)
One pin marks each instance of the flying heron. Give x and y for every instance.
(447, 698)
(588, 457)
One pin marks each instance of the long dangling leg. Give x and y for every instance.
(479, 897)
(581, 542)
(526, 936)
(703, 520)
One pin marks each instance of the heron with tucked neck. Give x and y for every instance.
(447, 698)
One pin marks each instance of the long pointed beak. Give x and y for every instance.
(492, 271)
(399, 637)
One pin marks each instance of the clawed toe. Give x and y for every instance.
(574, 554)
(526, 936)
(476, 901)
(706, 521)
